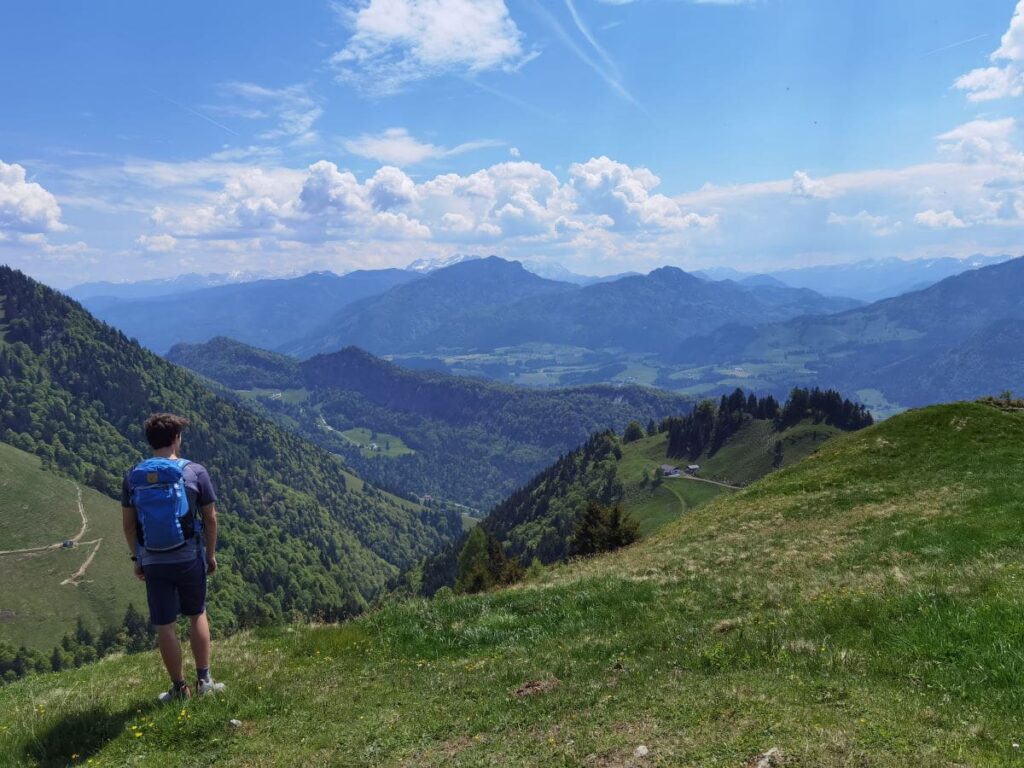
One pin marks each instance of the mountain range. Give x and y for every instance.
(958, 339)
(266, 312)
(486, 304)
(868, 280)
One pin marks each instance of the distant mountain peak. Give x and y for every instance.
(424, 266)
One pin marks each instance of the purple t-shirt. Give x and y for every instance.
(200, 491)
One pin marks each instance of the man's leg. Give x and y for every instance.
(163, 612)
(170, 650)
(199, 639)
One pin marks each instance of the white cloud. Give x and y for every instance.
(293, 106)
(876, 225)
(156, 243)
(26, 206)
(513, 152)
(939, 219)
(1007, 80)
(511, 202)
(397, 146)
(624, 195)
(804, 186)
(982, 141)
(390, 188)
(396, 42)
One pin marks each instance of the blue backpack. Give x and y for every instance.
(162, 509)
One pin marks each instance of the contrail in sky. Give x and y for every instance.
(609, 77)
(954, 45)
(197, 114)
(590, 38)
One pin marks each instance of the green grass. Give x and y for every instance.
(38, 508)
(864, 607)
(388, 445)
(654, 506)
(749, 454)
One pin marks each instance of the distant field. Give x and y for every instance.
(39, 508)
(387, 445)
(654, 506)
(290, 396)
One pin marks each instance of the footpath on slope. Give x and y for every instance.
(75, 578)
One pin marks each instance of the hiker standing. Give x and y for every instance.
(169, 516)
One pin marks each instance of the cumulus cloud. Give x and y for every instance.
(251, 200)
(390, 188)
(397, 146)
(625, 196)
(1006, 78)
(508, 202)
(396, 42)
(25, 206)
(939, 219)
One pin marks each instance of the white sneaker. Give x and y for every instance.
(175, 694)
(208, 685)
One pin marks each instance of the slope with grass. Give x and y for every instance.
(862, 607)
(46, 589)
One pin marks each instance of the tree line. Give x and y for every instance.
(708, 427)
(83, 646)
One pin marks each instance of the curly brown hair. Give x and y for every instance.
(163, 428)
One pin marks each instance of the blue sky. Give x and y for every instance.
(142, 140)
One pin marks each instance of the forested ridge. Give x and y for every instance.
(707, 428)
(298, 535)
(473, 441)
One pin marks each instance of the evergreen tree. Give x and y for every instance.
(474, 565)
(633, 432)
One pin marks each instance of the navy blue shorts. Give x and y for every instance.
(173, 588)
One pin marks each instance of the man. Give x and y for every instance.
(169, 517)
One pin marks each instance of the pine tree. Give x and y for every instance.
(474, 571)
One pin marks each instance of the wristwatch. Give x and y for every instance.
(134, 558)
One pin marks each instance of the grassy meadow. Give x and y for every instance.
(860, 608)
(39, 508)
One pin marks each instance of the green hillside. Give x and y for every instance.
(860, 608)
(46, 590)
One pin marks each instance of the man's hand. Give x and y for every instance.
(211, 564)
(139, 573)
